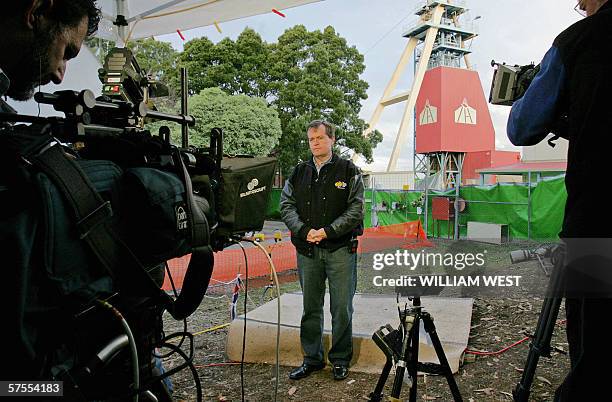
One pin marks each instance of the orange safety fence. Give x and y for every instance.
(230, 262)
(400, 235)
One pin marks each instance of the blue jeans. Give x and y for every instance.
(340, 269)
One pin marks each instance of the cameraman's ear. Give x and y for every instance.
(35, 10)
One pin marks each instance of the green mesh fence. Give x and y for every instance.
(273, 211)
(535, 213)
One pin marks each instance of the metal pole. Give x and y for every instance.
(414, 153)
(121, 29)
(426, 210)
(459, 164)
(184, 111)
(529, 206)
(373, 210)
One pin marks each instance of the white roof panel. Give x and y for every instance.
(158, 17)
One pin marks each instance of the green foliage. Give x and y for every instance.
(317, 76)
(306, 75)
(99, 47)
(250, 126)
(235, 67)
(158, 60)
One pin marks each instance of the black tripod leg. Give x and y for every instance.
(430, 328)
(540, 344)
(400, 369)
(402, 364)
(413, 361)
(377, 395)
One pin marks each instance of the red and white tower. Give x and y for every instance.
(446, 110)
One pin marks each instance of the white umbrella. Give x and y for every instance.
(146, 18)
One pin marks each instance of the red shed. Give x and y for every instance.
(486, 160)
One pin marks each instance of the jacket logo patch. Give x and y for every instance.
(340, 185)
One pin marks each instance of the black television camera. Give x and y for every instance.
(510, 82)
(173, 200)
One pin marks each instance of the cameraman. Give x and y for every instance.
(38, 39)
(570, 96)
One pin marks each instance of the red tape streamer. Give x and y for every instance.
(275, 11)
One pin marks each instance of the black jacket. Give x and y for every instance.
(575, 80)
(589, 86)
(331, 199)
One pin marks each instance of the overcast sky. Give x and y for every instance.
(514, 31)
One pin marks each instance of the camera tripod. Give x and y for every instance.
(540, 344)
(401, 346)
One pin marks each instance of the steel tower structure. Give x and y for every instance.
(437, 39)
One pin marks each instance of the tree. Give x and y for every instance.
(99, 47)
(235, 67)
(316, 75)
(158, 60)
(253, 55)
(250, 125)
(306, 75)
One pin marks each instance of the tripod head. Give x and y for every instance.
(415, 292)
(400, 292)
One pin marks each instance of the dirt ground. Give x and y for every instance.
(498, 321)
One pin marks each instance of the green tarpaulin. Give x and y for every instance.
(273, 211)
(506, 203)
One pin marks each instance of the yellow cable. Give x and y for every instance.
(278, 304)
(212, 329)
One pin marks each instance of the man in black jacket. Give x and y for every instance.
(322, 204)
(570, 96)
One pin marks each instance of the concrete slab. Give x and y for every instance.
(452, 317)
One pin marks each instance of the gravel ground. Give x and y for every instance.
(499, 319)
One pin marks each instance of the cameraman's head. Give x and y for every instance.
(589, 7)
(38, 39)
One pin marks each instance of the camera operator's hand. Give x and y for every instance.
(560, 127)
